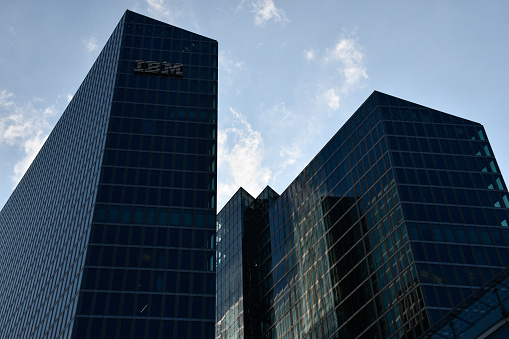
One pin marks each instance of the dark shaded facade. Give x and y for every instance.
(483, 315)
(111, 232)
(397, 220)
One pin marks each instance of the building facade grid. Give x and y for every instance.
(125, 192)
(46, 221)
(400, 217)
(230, 230)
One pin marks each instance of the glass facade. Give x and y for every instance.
(230, 231)
(399, 218)
(111, 232)
(483, 315)
(454, 200)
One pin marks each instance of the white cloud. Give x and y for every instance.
(351, 58)
(160, 9)
(31, 146)
(347, 58)
(292, 128)
(68, 97)
(91, 44)
(309, 54)
(265, 10)
(280, 114)
(331, 97)
(288, 132)
(241, 155)
(23, 125)
(229, 67)
(157, 6)
(290, 155)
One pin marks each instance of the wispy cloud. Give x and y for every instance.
(288, 155)
(241, 156)
(264, 10)
(345, 65)
(23, 125)
(351, 62)
(68, 97)
(287, 137)
(31, 147)
(309, 54)
(159, 8)
(331, 97)
(280, 118)
(229, 67)
(91, 44)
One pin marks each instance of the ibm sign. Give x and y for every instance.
(159, 68)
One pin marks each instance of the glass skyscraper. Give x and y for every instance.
(398, 219)
(111, 232)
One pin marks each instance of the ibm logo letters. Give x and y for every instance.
(159, 68)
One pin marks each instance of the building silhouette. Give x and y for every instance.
(111, 232)
(397, 220)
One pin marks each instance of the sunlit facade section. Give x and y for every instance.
(230, 292)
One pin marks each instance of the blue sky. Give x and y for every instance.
(290, 72)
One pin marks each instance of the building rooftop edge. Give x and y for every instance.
(167, 24)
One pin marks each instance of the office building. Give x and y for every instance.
(111, 232)
(398, 219)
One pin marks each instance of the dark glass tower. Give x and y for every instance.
(111, 232)
(230, 232)
(400, 217)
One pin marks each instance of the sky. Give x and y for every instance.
(290, 72)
